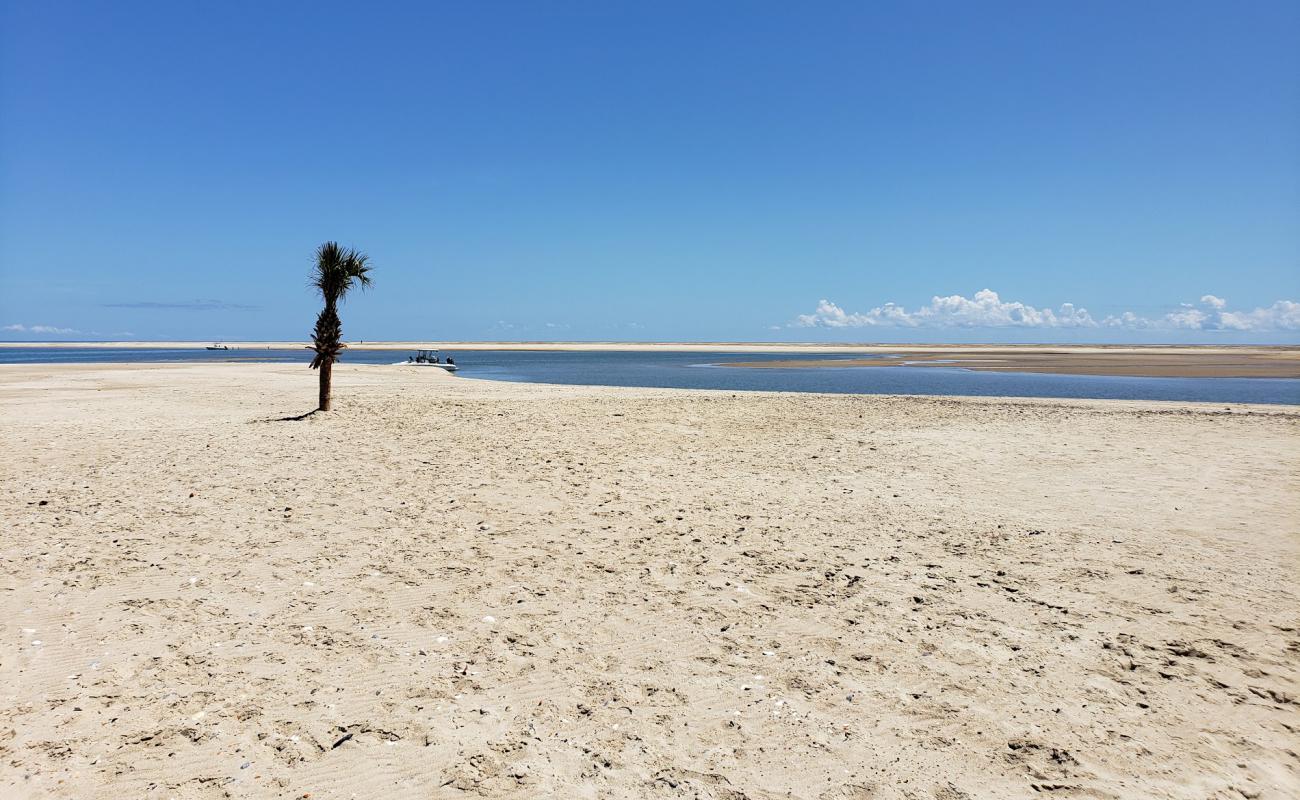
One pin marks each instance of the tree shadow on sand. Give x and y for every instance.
(296, 418)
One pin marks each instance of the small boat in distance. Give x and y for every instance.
(428, 358)
(218, 346)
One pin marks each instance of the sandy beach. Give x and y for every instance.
(459, 588)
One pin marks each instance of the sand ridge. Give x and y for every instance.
(459, 588)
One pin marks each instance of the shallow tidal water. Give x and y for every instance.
(698, 370)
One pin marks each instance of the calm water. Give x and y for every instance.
(697, 371)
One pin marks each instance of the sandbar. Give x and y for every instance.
(458, 588)
(1254, 362)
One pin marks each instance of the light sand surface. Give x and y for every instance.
(456, 588)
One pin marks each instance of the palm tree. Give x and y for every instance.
(337, 268)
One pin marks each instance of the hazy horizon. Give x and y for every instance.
(506, 343)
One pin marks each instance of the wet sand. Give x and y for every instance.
(458, 588)
(1273, 362)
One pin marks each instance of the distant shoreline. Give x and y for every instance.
(707, 347)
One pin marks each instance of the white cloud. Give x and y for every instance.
(1187, 317)
(1213, 315)
(1284, 315)
(20, 328)
(987, 310)
(1130, 321)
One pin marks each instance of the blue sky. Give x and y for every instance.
(682, 171)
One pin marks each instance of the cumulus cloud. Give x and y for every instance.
(20, 328)
(1214, 315)
(1284, 315)
(986, 309)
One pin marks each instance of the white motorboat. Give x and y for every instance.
(428, 358)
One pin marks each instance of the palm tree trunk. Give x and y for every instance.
(326, 370)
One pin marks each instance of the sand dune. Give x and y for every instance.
(455, 588)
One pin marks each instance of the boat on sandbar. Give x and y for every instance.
(428, 358)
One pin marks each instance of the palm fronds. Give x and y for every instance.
(337, 270)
